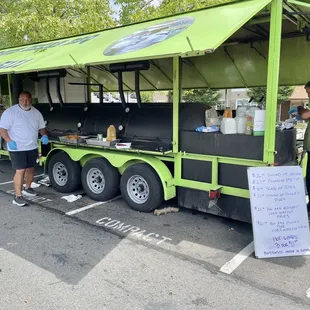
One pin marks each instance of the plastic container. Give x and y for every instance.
(211, 118)
(228, 126)
(259, 123)
(249, 125)
(241, 124)
(241, 112)
(212, 122)
(111, 133)
(250, 120)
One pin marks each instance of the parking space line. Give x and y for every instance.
(92, 206)
(308, 293)
(9, 182)
(230, 266)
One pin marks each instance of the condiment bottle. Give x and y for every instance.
(228, 113)
(111, 133)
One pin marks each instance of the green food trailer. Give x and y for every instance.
(243, 44)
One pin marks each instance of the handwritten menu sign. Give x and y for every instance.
(279, 211)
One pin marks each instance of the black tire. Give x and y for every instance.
(134, 179)
(100, 179)
(72, 177)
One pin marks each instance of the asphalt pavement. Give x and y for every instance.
(88, 255)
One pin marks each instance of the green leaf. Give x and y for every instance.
(284, 93)
(208, 96)
(43, 20)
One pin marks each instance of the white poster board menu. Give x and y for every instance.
(279, 211)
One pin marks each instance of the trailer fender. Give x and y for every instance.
(49, 156)
(122, 161)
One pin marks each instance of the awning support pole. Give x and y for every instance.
(49, 98)
(176, 101)
(10, 89)
(88, 87)
(120, 88)
(273, 80)
(61, 102)
(137, 87)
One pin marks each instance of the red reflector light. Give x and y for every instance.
(214, 194)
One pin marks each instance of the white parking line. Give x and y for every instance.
(308, 293)
(230, 266)
(9, 182)
(91, 206)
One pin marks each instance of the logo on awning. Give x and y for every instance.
(149, 36)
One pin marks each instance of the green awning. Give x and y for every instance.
(300, 3)
(187, 35)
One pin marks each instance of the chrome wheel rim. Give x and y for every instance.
(95, 180)
(138, 189)
(60, 174)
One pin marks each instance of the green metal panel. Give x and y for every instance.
(88, 86)
(216, 160)
(303, 3)
(9, 86)
(178, 168)
(304, 165)
(177, 88)
(223, 160)
(232, 66)
(238, 192)
(273, 80)
(191, 72)
(121, 159)
(215, 172)
(252, 66)
(4, 153)
(167, 37)
(177, 69)
(218, 71)
(294, 64)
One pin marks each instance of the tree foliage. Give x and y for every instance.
(30, 21)
(147, 96)
(40, 20)
(284, 93)
(208, 96)
(140, 10)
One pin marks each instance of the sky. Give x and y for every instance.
(116, 7)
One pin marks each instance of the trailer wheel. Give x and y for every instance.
(64, 173)
(100, 180)
(141, 188)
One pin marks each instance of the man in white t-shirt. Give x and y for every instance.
(19, 127)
